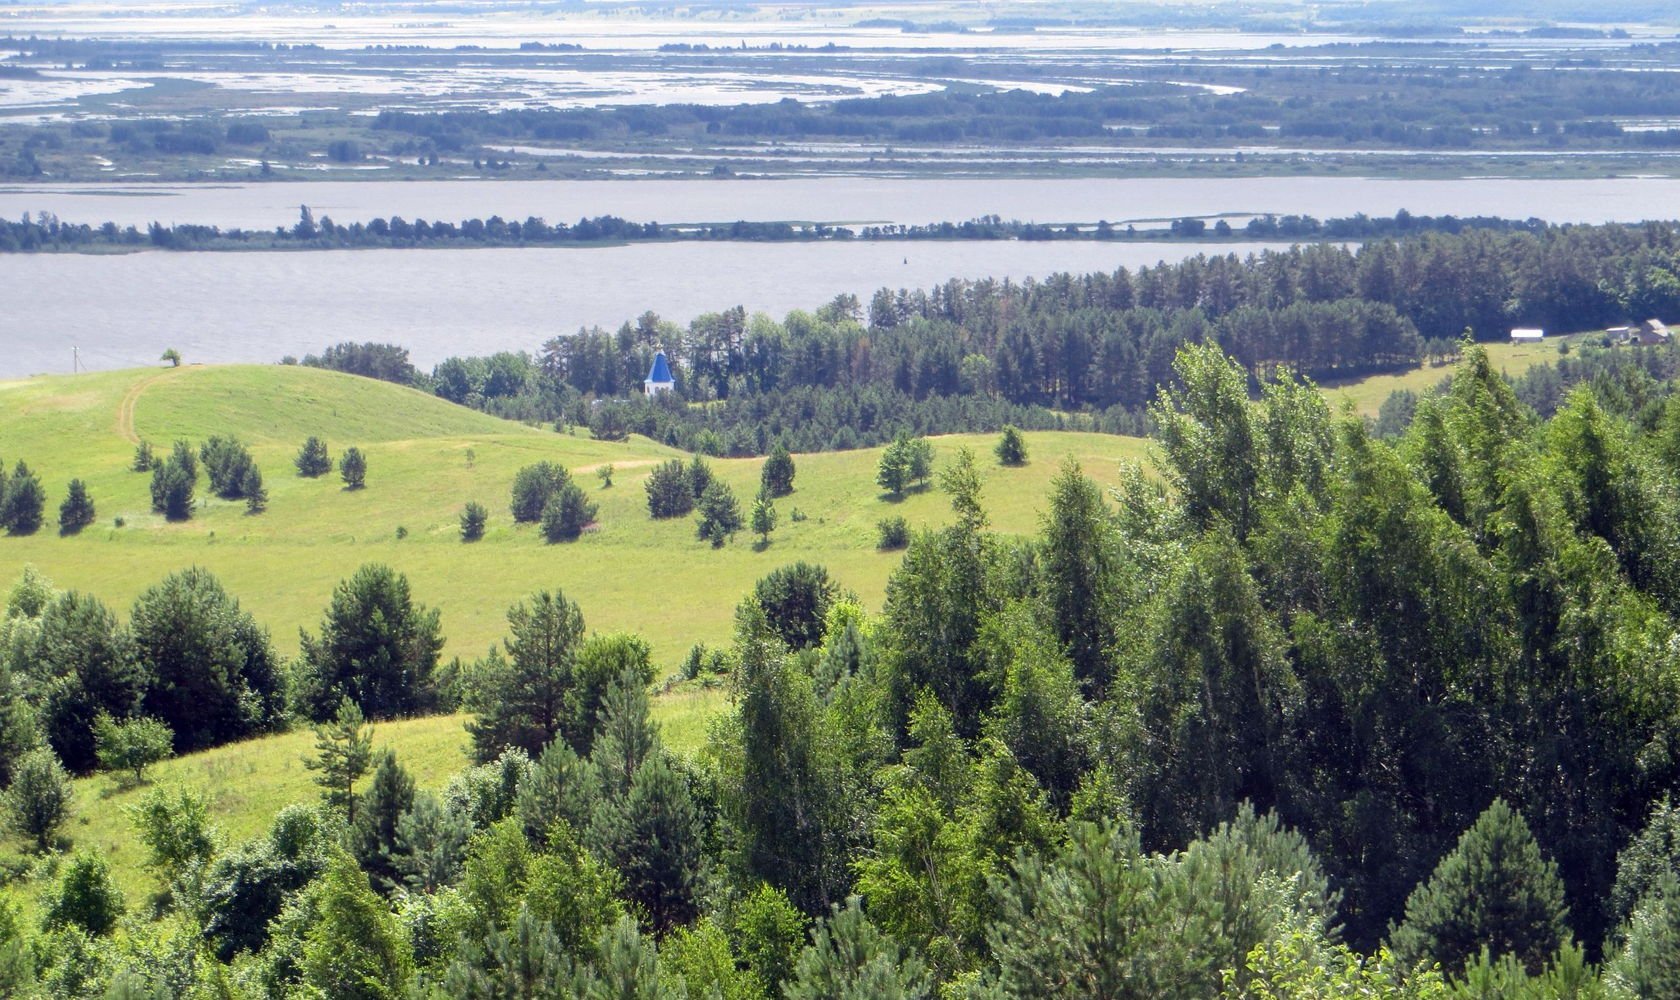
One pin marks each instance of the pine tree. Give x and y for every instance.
(76, 512)
(353, 469)
(255, 493)
(720, 514)
(23, 502)
(651, 835)
(776, 478)
(523, 700)
(343, 751)
(312, 459)
(567, 513)
(1494, 891)
(473, 517)
(668, 491)
(373, 839)
(1011, 447)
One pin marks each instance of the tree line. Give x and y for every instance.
(1075, 351)
(1317, 715)
(45, 232)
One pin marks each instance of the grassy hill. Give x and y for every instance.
(426, 459)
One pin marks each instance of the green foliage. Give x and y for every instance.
(77, 510)
(343, 752)
(246, 888)
(1648, 964)
(376, 647)
(1102, 918)
(906, 462)
(473, 517)
(255, 493)
(174, 824)
(651, 834)
(143, 459)
(132, 744)
(535, 487)
(1495, 891)
(605, 474)
(763, 519)
(892, 534)
(527, 698)
(769, 932)
(850, 959)
(699, 957)
(228, 464)
(312, 459)
(352, 468)
(86, 897)
(1652, 855)
(567, 513)
(211, 674)
(379, 810)
(172, 356)
(174, 483)
(431, 844)
(355, 950)
(1080, 560)
(1011, 447)
(720, 514)
(776, 477)
(23, 501)
(669, 493)
(37, 802)
(88, 666)
(795, 600)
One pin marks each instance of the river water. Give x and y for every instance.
(122, 311)
(216, 307)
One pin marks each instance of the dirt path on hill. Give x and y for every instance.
(125, 409)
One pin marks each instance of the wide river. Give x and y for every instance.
(124, 310)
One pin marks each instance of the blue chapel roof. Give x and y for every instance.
(661, 371)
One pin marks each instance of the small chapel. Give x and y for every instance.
(659, 376)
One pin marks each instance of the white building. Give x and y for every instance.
(1527, 335)
(659, 376)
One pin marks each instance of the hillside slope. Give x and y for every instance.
(426, 459)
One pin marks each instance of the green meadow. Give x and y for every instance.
(426, 459)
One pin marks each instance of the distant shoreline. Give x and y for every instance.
(50, 235)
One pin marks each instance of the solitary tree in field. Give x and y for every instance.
(172, 356)
(763, 518)
(76, 512)
(777, 477)
(132, 744)
(473, 518)
(143, 457)
(353, 467)
(313, 460)
(605, 474)
(1011, 447)
(343, 752)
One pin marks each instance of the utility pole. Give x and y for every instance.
(75, 359)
